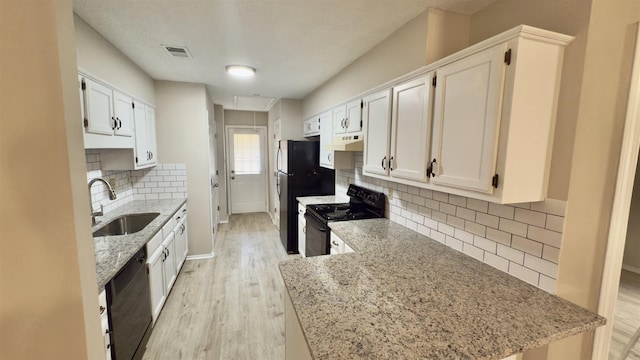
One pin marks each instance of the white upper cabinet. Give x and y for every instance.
(494, 116)
(311, 126)
(339, 119)
(123, 114)
(353, 116)
(98, 105)
(347, 118)
(107, 115)
(468, 99)
(376, 115)
(145, 120)
(411, 129)
(326, 137)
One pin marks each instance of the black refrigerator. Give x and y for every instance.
(299, 174)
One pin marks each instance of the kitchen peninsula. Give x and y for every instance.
(402, 295)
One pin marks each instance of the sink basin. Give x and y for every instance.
(126, 224)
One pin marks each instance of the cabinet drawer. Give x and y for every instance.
(180, 214)
(154, 243)
(168, 227)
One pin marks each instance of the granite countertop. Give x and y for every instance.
(113, 252)
(326, 199)
(405, 296)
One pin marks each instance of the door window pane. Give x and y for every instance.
(246, 151)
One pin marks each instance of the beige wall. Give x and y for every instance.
(48, 302)
(182, 131)
(402, 52)
(100, 58)
(632, 245)
(245, 118)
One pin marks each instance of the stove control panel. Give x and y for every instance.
(369, 197)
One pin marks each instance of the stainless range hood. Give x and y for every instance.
(346, 143)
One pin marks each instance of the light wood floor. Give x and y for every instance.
(626, 325)
(229, 307)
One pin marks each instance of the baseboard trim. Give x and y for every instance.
(201, 257)
(631, 268)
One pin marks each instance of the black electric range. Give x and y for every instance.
(363, 204)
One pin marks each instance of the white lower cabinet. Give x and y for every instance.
(338, 246)
(302, 228)
(181, 242)
(168, 249)
(295, 344)
(155, 266)
(104, 322)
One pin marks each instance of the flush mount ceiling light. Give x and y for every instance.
(241, 70)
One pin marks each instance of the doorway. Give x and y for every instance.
(620, 214)
(247, 175)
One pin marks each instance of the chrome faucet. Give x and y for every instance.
(112, 196)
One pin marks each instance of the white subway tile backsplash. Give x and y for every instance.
(526, 245)
(465, 214)
(463, 235)
(458, 200)
(453, 243)
(521, 239)
(473, 251)
(487, 220)
(511, 254)
(513, 227)
(455, 221)
(440, 196)
(496, 261)
(474, 228)
(503, 211)
(448, 209)
(545, 236)
(530, 217)
(555, 223)
(540, 265)
(485, 244)
(551, 253)
(547, 284)
(550, 206)
(478, 205)
(524, 273)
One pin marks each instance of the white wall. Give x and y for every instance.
(100, 58)
(182, 130)
(48, 301)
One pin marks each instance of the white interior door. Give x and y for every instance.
(247, 169)
(213, 173)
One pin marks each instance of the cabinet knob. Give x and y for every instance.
(382, 164)
(391, 163)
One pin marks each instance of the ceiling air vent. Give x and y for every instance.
(178, 51)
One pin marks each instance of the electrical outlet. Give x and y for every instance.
(390, 193)
(112, 182)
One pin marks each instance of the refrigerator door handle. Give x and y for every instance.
(278, 158)
(278, 185)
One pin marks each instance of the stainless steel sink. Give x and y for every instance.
(126, 224)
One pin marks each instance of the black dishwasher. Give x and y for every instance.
(129, 309)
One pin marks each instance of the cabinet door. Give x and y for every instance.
(353, 120)
(156, 281)
(337, 244)
(151, 133)
(169, 262)
(302, 243)
(467, 113)
(181, 243)
(339, 120)
(376, 115)
(326, 137)
(411, 130)
(123, 112)
(140, 120)
(98, 108)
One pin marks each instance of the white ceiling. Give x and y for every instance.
(295, 45)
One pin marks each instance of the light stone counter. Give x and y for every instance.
(326, 199)
(113, 252)
(405, 296)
